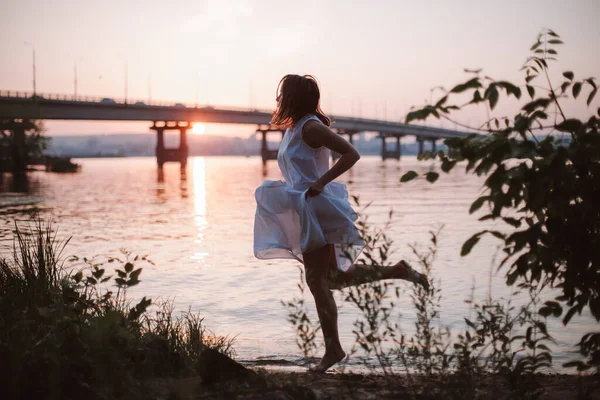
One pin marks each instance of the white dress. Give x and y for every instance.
(287, 223)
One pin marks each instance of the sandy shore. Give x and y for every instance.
(293, 385)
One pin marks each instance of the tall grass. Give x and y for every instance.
(501, 345)
(31, 277)
(73, 333)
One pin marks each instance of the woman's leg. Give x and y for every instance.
(316, 264)
(359, 274)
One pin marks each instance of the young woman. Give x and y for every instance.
(308, 217)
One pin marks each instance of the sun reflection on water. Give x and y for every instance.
(199, 193)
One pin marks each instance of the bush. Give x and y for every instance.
(66, 334)
(543, 182)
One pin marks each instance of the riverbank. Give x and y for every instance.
(302, 385)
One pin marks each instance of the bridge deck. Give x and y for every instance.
(23, 106)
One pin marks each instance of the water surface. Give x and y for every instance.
(196, 225)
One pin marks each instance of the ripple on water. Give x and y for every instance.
(197, 228)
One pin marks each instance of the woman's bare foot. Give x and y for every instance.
(406, 272)
(328, 360)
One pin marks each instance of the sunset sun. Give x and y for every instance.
(198, 128)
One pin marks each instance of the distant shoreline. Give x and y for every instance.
(136, 145)
(91, 157)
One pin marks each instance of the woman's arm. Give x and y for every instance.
(316, 135)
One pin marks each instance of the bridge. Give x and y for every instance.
(23, 106)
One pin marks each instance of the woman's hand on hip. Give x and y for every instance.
(315, 189)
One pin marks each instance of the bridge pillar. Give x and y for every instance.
(385, 153)
(160, 146)
(433, 145)
(163, 154)
(19, 154)
(420, 141)
(183, 146)
(265, 153)
(17, 159)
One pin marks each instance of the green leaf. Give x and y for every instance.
(421, 114)
(569, 75)
(77, 277)
(492, 96)
(468, 245)
(569, 125)
(136, 274)
(128, 267)
(476, 97)
(551, 51)
(535, 46)
(91, 281)
(447, 165)
(539, 103)
(432, 176)
(545, 311)
(478, 203)
(409, 176)
(531, 91)
(471, 84)
(555, 41)
(510, 88)
(98, 273)
(576, 89)
(499, 235)
(591, 96)
(511, 221)
(570, 314)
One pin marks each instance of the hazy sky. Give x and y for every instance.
(373, 58)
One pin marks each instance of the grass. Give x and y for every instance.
(68, 333)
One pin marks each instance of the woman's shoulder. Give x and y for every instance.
(299, 126)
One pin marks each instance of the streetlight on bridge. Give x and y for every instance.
(33, 47)
(75, 78)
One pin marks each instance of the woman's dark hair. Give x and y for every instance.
(297, 96)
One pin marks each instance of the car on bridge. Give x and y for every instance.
(108, 100)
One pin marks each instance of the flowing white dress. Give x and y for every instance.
(287, 223)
